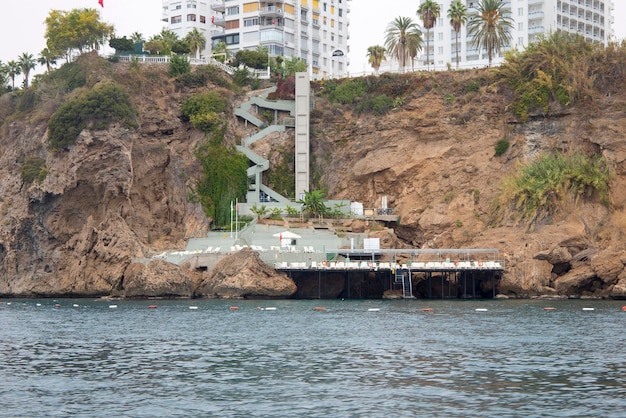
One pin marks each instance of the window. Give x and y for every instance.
(191, 5)
(520, 26)
(232, 39)
(324, 6)
(251, 22)
(440, 36)
(340, 12)
(233, 10)
(176, 19)
(520, 41)
(191, 18)
(520, 11)
(251, 36)
(202, 19)
(178, 7)
(303, 15)
(440, 50)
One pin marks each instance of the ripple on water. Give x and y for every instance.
(514, 360)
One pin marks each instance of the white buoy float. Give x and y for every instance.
(112, 306)
(373, 310)
(589, 309)
(481, 309)
(270, 308)
(193, 307)
(75, 305)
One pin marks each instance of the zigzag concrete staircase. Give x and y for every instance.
(255, 172)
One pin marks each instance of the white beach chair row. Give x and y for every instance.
(368, 265)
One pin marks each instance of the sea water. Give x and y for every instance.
(345, 359)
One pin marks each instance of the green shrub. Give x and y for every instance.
(276, 214)
(241, 77)
(224, 177)
(449, 98)
(34, 169)
(204, 110)
(472, 86)
(179, 64)
(501, 147)
(348, 91)
(536, 190)
(95, 109)
(379, 105)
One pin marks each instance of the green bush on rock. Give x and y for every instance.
(94, 109)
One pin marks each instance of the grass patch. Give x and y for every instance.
(537, 189)
(501, 147)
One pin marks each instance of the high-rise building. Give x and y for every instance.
(592, 19)
(182, 16)
(317, 31)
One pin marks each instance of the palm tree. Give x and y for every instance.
(26, 62)
(14, 70)
(220, 52)
(313, 203)
(47, 58)
(196, 41)
(376, 55)
(396, 38)
(4, 73)
(488, 27)
(414, 44)
(168, 39)
(457, 13)
(137, 38)
(428, 12)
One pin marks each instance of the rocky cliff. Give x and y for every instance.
(121, 194)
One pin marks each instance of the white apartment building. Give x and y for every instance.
(317, 31)
(182, 16)
(592, 19)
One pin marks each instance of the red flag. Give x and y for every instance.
(101, 3)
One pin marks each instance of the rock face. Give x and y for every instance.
(118, 195)
(158, 279)
(244, 275)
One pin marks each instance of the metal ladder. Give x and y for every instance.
(404, 277)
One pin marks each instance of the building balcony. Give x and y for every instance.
(536, 29)
(218, 6)
(536, 15)
(271, 11)
(218, 21)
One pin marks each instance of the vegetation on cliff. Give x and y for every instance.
(94, 109)
(536, 190)
(559, 70)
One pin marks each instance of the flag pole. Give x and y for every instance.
(231, 218)
(236, 218)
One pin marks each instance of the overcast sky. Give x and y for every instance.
(22, 29)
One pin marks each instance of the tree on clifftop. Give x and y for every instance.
(376, 55)
(78, 29)
(489, 27)
(429, 12)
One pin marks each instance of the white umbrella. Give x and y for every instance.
(286, 235)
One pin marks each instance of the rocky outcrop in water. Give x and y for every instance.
(245, 275)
